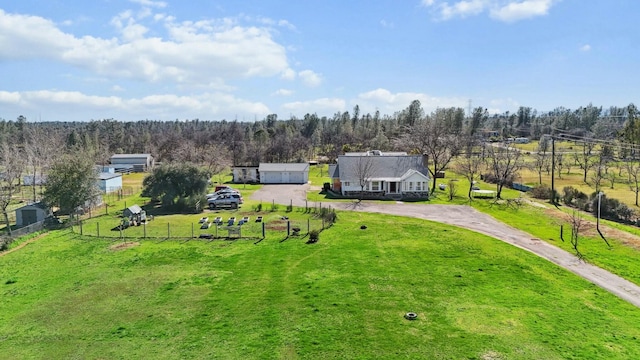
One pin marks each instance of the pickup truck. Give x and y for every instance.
(225, 200)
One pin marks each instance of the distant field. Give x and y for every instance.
(65, 296)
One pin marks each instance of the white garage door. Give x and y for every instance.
(273, 178)
(296, 178)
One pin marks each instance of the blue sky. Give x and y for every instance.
(166, 60)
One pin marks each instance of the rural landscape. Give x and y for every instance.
(312, 271)
(261, 179)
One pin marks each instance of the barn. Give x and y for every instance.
(279, 173)
(109, 182)
(31, 214)
(132, 162)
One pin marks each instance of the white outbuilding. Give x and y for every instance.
(284, 173)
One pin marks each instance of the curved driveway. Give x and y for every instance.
(469, 218)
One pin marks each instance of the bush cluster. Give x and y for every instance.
(492, 179)
(541, 192)
(611, 209)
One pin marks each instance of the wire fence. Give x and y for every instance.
(256, 226)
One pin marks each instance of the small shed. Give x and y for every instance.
(31, 214)
(135, 213)
(245, 174)
(109, 182)
(284, 173)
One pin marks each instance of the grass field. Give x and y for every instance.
(66, 296)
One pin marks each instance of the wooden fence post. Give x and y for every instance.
(263, 231)
(98, 228)
(191, 230)
(168, 231)
(308, 225)
(144, 228)
(288, 227)
(81, 228)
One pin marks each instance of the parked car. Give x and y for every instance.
(222, 192)
(225, 200)
(221, 187)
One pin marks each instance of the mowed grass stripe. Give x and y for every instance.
(344, 297)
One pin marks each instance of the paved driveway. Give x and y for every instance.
(469, 218)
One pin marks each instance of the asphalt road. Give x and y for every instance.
(469, 218)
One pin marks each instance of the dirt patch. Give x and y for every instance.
(23, 244)
(589, 229)
(123, 245)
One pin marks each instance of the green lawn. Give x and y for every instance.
(66, 296)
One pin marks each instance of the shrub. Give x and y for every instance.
(314, 236)
(573, 197)
(326, 186)
(541, 192)
(328, 215)
(258, 207)
(274, 207)
(611, 209)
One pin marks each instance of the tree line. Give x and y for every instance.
(32, 147)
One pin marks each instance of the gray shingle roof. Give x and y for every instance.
(383, 167)
(130, 156)
(266, 167)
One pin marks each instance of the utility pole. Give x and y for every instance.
(553, 170)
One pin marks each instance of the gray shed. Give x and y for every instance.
(31, 214)
(134, 213)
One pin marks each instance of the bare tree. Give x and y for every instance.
(585, 159)
(432, 137)
(504, 164)
(452, 189)
(469, 167)
(12, 165)
(559, 165)
(40, 149)
(577, 225)
(363, 168)
(540, 163)
(633, 170)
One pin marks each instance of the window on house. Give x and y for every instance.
(410, 185)
(418, 186)
(424, 186)
(375, 186)
(346, 183)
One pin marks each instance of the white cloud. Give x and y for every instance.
(502, 10)
(387, 24)
(320, 106)
(288, 74)
(67, 104)
(514, 11)
(462, 8)
(388, 102)
(150, 3)
(310, 78)
(499, 106)
(207, 51)
(282, 92)
(585, 48)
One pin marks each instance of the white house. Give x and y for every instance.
(376, 174)
(132, 162)
(279, 173)
(245, 174)
(31, 214)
